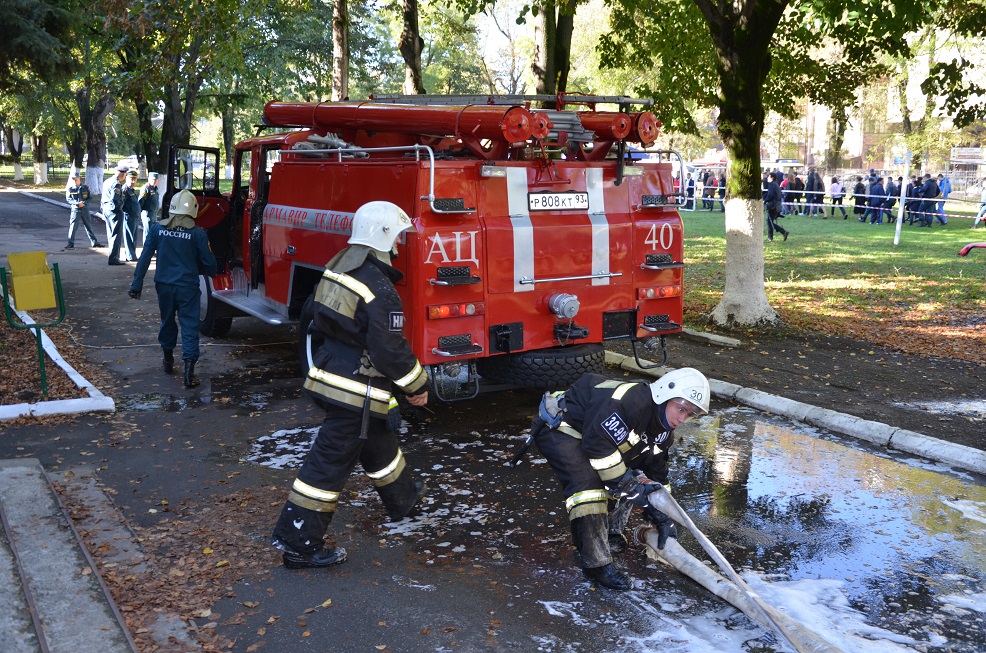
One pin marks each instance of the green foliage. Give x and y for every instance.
(35, 37)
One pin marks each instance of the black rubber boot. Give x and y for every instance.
(327, 557)
(190, 380)
(591, 540)
(401, 497)
(169, 361)
(609, 577)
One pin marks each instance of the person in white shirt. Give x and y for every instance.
(837, 192)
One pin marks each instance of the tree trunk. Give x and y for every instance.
(148, 142)
(39, 150)
(229, 142)
(741, 33)
(340, 50)
(76, 147)
(92, 117)
(15, 144)
(410, 45)
(564, 29)
(543, 58)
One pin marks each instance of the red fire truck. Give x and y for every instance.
(538, 237)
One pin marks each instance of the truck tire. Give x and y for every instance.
(209, 324)
(543, 368)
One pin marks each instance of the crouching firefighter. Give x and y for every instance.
(357, 355)
(608, 443)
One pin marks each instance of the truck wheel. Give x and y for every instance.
(543, 368)
(304, 321)
(209, 324)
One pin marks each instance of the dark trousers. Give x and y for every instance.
(80, 215)
(114, 232)
(585, 496)
(330, 462)
(130, 222)
(772, 225)
(183, 302)
(837, 202)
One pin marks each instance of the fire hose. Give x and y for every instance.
(787, 630)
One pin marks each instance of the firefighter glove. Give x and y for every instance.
(665, 527)
(134, 294)
(635, 488)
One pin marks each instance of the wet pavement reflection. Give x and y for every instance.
(873, 550)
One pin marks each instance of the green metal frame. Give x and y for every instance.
(37, 326)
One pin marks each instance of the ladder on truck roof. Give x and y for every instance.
(560, 99)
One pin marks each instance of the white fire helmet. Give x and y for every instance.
(687, 383)
(184, 203)
(378, 225)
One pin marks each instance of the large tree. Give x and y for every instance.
(745, 56)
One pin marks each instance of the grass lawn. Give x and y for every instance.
(847, 278)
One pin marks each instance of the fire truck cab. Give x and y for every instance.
(538, 238)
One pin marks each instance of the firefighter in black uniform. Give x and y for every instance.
(358, 355)
(609, 440)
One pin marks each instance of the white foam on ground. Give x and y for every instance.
(961, 407)
(976, 602)
(973, 510)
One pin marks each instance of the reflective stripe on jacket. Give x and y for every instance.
(619, 427)
(359, 339)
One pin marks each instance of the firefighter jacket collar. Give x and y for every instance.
(177, 220)
(353, 256)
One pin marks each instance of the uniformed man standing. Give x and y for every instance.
(183, 255)
(150, 204)
(131, 213)
(358, 355)
(610, 440)
(112, 208)
(77, 196)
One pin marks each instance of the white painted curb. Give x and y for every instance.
(877, 433)
(95, 402)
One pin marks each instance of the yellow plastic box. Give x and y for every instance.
(31, 281)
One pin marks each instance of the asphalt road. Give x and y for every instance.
(487, 567)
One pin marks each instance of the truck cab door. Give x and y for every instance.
(196, 169)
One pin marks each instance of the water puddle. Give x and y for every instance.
(877, 552)
(244, 390)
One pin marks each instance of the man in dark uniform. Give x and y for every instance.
(77, 196)
(150, 204)
(357, 354)
(112, 207)
(182, 255)
(595, 440)
(131, 216)
(929, 208)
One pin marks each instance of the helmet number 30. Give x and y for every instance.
(660, 239)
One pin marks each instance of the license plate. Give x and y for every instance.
(570, 201)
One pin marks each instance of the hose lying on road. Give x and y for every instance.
(741, 596)
(804, 640)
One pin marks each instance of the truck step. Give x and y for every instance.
(52, 596)
(251, 306)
